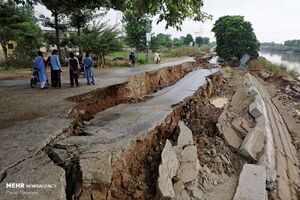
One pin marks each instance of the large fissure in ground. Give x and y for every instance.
(135, 176)
(136, 89)
(89, 104)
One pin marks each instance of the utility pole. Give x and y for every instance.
(148, 40)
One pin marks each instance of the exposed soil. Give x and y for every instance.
(135, 176)
(136, 89)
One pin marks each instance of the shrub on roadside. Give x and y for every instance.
(17, 63)
(141, 61)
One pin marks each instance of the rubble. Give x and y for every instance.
(184, 166)
(255, 109)
(253, 144)
(252, 183)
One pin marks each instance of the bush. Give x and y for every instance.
(142, 61)
(17, 63)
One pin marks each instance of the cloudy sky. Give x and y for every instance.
(272, 20)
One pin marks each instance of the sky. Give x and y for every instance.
(272, 20)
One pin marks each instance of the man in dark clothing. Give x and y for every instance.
(55, 69)
(73, 69)
(132, 59)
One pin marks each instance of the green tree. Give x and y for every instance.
(161, 40)
(188, 39)
(136, 25)
(18, 23)
(80, 18)
(29, 40)
(58, 10)
(235, 37)
(100, 40)
(49, 38)
(198, 41)
(205, 40)
(174, 13)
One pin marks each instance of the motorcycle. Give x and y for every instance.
(34, 78)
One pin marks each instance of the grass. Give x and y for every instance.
(230, 73)
(275, 69)
(123, 56)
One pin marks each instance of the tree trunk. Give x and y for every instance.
(55, 14)
(78, 33)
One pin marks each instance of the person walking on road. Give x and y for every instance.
(88, 66)
(132, 59)
(55, 69)
(73, 69)
(157, 57)
(39, 64)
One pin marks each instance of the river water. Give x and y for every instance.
(292, 61)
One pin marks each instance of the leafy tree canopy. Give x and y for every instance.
(98, 39)
(161, 40)
(205, 40)
(18, 23)
(235, 37)
(173, 12)
(136, 25)
(199, 40)
(188, 39)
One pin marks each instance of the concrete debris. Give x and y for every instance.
(279, 155)
(271, 179)
(180, 191)
(255, 109)
(264, 75)
(188, 172)
(169, 160)
(185, 136)
(252, 183)
(253, 144)
(288, 89)
(188, 154)
(253, 91)
(184, 166)
(96, 167)
(230, 136)
(165, 186)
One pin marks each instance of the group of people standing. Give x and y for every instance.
(74, 67)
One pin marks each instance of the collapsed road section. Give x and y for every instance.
(23, 161)
(110, 155)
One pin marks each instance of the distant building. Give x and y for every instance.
(11, 47)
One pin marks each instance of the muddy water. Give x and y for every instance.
(292, 61)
